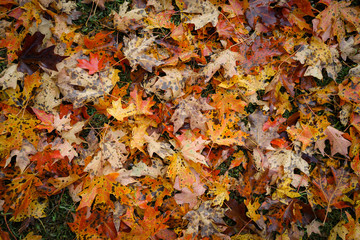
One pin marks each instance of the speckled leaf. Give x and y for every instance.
(79, 87)
(136, 51)
(199, 12)
(17, 128)
(204, 220)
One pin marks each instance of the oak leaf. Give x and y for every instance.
(337, 142)
(31, 58)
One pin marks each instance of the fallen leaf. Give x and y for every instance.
(31, 58)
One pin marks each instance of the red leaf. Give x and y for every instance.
(94, 65)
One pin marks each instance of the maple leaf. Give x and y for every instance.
(237, 212)
(220, 189)
(94, 65)
(349, 90)
(129, 20)
(147, 227)
(44, 160)
(226, 59)
(70, 135)
(313, 227)
(155, 170)
(99, 189)
(222, 133)
(31, 59)
(225, 100)
(190, 108)
(119, 112)
(10, 76)
(317, 56)
(137, 107)
(234, 9)
(136, 51)
(48, 96)
(330, 191)
(252, 208)
(289, 161)
(189, 195)
(261, 10)
(142, 106)
(199, 12)
(25, 129)
(22, 155)
(204, 220)
(284, 190)
(162, 149)
(330, 22)
(172, 83)
(12, 42)
(259, 137)
(112, 150)
(191, 150)
(79, 87)
(179, 167)
(23, 197)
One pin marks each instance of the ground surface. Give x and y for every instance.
(179, 119)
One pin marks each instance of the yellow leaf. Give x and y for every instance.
(120, 113)
(252, 208)
(284, 190)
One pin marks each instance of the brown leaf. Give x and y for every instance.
(31, 58)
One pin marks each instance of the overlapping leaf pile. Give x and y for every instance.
(268, 89)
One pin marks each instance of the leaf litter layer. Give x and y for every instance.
(180, 119)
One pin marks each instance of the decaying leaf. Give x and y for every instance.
(137, 49)
(190, 108)
(204, 220)
(10, 76)
(79, 87)
(199, 12)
